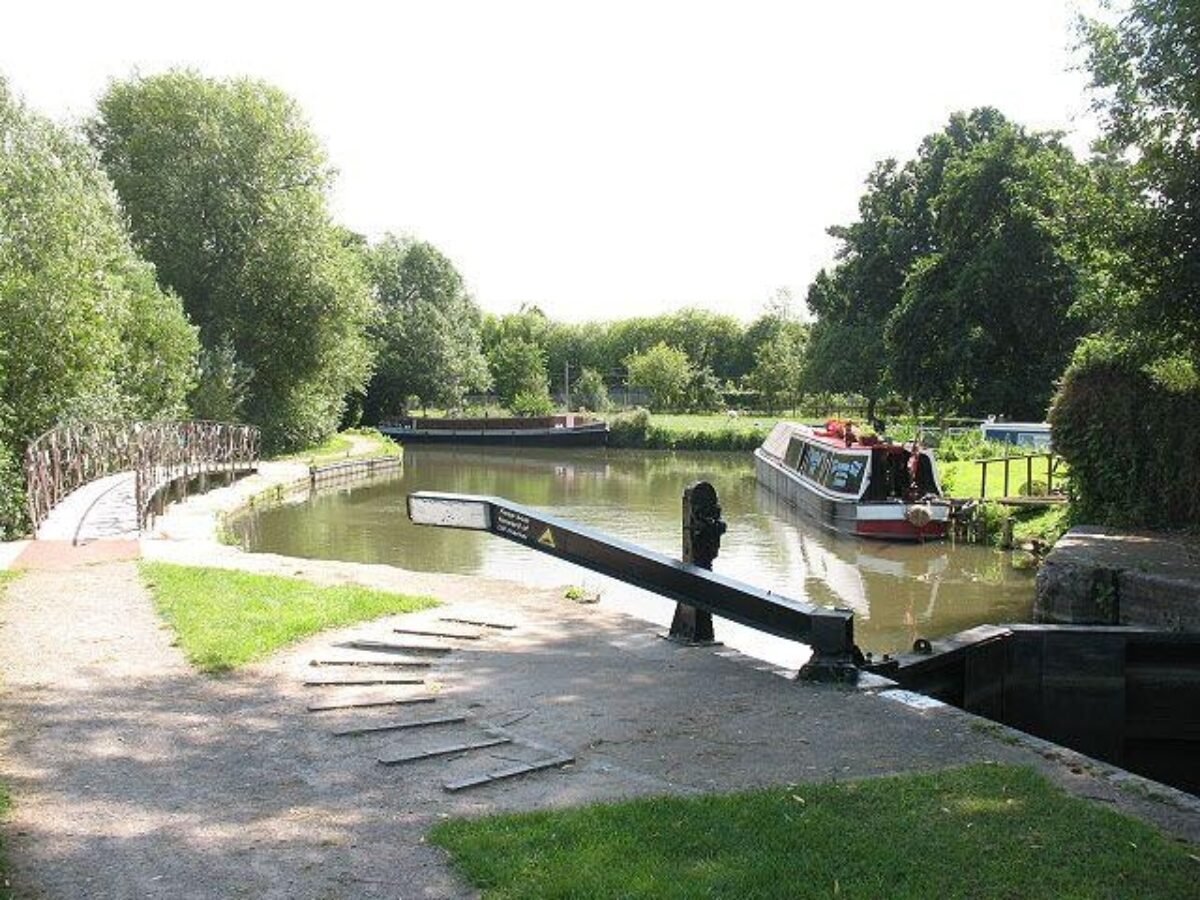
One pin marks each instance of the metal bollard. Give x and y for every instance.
(702, 530)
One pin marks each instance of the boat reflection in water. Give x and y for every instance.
(899, 591)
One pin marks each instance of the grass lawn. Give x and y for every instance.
(964, 477)
(713, 421)
(341, 446)
(225, 619)
(983, 831)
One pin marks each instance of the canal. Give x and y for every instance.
(898, 592)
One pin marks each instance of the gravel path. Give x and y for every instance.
(133, 776)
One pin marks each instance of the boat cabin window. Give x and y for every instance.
(846, 474)
(794, 451)
(813, 461)
(836, 471)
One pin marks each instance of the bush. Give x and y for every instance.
(629, 430)
(13, 516)
(590, 391)
(531, 403)
(1132, 441)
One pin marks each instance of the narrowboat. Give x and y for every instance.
(855, 484)
(571, 430)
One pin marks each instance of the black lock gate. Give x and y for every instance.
(698, 592)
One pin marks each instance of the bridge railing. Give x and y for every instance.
(69, 456)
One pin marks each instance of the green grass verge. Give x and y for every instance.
(979, 832)
(338, 447)
(225, 618)
(709, 422)
(964, 478)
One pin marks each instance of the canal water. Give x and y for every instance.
(898, 592)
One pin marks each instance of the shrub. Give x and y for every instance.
(629, 430)
(1132, 441)
(13, 517)
(590, 391)
(532, 403)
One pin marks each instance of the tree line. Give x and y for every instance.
(176, 255)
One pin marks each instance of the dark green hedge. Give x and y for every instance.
(1133, 443)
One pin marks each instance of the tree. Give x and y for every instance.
(519, 369)
(590, 392)
(983, 324)
(778, 372)
(895, 228)
(426, 330)
(1139, 373)
(662, 371)
(225, 187)
(84, 329)
(1144, 80)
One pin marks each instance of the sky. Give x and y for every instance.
(598, 159)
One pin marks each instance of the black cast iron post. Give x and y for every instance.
(702, 530)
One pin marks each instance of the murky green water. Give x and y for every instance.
(898, 591)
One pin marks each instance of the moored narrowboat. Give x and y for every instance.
(855, 484)
(570, 430)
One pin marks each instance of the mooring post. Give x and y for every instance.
(702, 530)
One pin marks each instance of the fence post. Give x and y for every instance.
(983, 464)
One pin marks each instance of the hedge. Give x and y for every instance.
(1133, 442)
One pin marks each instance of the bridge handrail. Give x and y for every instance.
(69, 456)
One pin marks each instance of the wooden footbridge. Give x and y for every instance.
(108, 479)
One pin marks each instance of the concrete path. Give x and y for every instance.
(101, 509)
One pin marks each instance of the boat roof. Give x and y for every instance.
(776, 443)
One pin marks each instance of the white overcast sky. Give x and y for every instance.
(600, 159)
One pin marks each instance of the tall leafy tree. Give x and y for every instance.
(427, 330)
(85, 330)
(226, 187)
(983, 323)
(1145, 71)
(518, 366)
(664, 372)
(896, 227)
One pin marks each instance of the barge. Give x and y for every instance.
(570, 430)
(854, 484)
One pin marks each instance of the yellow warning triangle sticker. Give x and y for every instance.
(547, 538)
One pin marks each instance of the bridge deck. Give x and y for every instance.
(104, 508)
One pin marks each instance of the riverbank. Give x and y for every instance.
(134, 774)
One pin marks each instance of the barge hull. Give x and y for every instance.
(585, 436)
(881, 520)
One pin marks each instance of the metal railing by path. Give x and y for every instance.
(158, 453)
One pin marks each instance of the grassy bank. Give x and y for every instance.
(979, 832)
(641, 430)
(224, 618)
(356, 443)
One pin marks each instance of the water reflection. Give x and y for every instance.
(897, 591)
